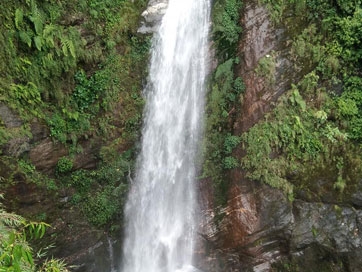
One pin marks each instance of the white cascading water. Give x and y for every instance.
(160, 211)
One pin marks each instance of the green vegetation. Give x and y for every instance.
(101, 194)
(75, 69)
(266, 68)
(292, 141)
(315, 129)
(225, 94)
(15, 252)
(226, 29)
(64, 166)
(70, 64)
(74, 66)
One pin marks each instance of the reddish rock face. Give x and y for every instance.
(263, 39)
(258, 225)
(238, 234)
(236, 221)
(250, 230)
(46, 154)
(259, 36)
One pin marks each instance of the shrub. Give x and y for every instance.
(64, 165)
(226, 29)
(230, 162)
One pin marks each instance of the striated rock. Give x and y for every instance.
(88, 159)
(263, 39)
(17, 145)
(39, 131)
(326, 236)
(79, 244)
(46, 154)
(152, 16)
(259, 227)
(9, 118)
(251, 231)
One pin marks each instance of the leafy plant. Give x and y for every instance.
(226, 29)
(15, 252)
(64, 165)
(87, 90)
(230, 162)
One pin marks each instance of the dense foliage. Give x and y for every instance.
(75, 69)
(224, 96)
(69, 64)
(315, 128)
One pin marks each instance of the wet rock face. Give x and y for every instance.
(330, 226)
(252, 229)
(79, 244)
(152, 16)
(8, 117)
(46, 154)
(263, 39)
(17, 145)
(258, 229)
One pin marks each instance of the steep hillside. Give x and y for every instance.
(71, 77)
(283, 155)
(281, 181)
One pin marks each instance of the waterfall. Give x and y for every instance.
(160, 211)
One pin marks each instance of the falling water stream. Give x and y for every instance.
(160, 211)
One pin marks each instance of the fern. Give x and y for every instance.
(11, 219)
(68, 47)
(48, 34)
(64, 47)
(37, 18)
(71, 48)
(25, 37)
(38, 42)
(19, 16)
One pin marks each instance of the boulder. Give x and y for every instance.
(152, 16)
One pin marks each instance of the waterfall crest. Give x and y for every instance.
(160, 211)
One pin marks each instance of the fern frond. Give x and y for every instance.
(38, 23)
(50, 56)
(64, 47)
(49, 32)
(38, 42)
(25, 37)
(37, 18)
(25, 60)
(71, 48)
(19, 16)
(11, 219)
(68, 47)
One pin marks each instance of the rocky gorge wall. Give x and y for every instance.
(259, 229)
